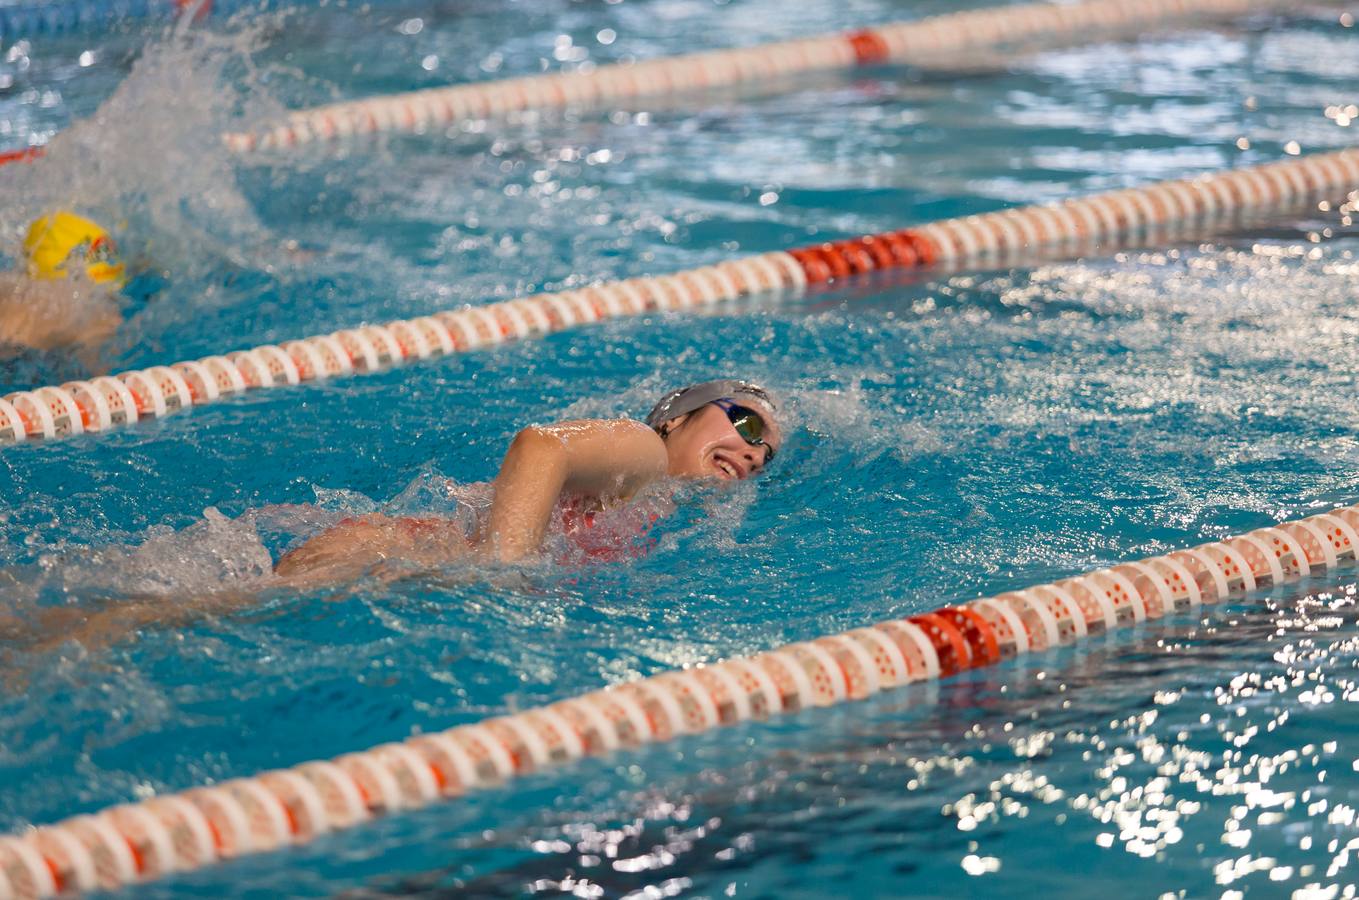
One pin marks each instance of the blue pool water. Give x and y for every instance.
(950, 437)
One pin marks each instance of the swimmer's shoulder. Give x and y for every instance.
(629, 431)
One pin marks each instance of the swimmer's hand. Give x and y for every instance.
(591, 457)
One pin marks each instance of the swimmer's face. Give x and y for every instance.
(705, 444)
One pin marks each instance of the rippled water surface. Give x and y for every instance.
(950, 436)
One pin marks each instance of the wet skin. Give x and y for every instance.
(604, 460)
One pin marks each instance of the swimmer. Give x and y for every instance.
(724, 429)
(65, 296)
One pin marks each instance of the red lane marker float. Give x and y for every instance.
(28, 154)
(980, 636)
(869, 47)
(906, 249)
(954, 653)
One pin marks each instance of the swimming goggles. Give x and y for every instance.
(748, 425)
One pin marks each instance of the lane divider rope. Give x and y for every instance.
(899, 42)
(140, 841)
(1102, 220)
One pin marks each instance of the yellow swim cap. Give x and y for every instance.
(64, 244)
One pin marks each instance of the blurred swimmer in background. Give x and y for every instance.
(65, 295)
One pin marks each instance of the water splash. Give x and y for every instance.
(150, 164)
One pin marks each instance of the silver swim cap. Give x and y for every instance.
(696, 396)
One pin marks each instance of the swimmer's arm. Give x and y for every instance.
(594, 457)
(54, 315)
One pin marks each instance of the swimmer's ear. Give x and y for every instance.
(670, 425)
